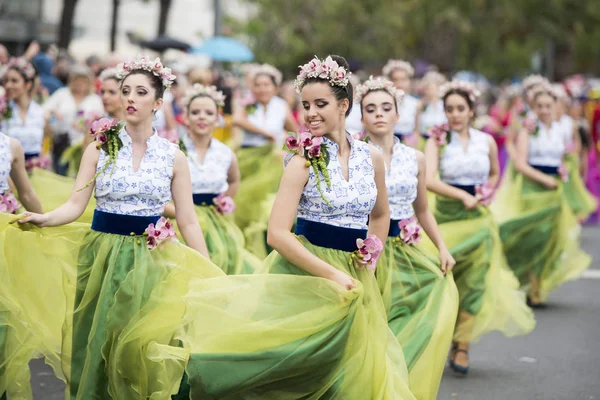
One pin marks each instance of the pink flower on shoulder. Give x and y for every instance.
(440, 134)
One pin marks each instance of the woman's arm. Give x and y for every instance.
(79, 199)
(417, 115)
(233, 177)
(18, 174)
(240, 120)
(279, 235)
(379, 220)
(522, 166)
(181, 189)
(426, 218)
(494, 176)
(434, 184)
(290, 123)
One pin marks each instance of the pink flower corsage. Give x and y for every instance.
(531, 125)
(41, 162)
(368, 251)
(102, 129)
(8, 203)
(362, 136)
(485, 193)
(441, 134)
(224, 204)
(163, 230)
(170, 134)
(5, 109)
(563, 172)
(410, 230)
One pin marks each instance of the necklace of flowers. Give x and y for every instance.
(368, 252)
(157, 234)
(442, 135)
(8, 203)
(5, 108)
(106, 133)
(314, 151)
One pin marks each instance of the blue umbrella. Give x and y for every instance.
(221, 48)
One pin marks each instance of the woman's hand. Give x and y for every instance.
(342, 279)
(550, 182)
(470, 202)
(447, 262)
(33, 218)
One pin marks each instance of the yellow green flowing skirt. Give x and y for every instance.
(489, 296)
(340, 346)
(72, 157)
(421, 305)
(540, 234)
(225, 242)
(580, 200)
(54, 190)
(261, 169)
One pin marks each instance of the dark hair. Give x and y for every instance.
(462, 94)
(339, 92)
(378, 90)
(200, 95)
(23, 75)
(155, 81)
(271, 77)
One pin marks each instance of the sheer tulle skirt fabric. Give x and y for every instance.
(422, 306)
(540, 234)
(72, 157)
(54, 190)
(489, 296)
(581, 201)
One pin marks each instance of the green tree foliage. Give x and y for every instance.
(494, 37)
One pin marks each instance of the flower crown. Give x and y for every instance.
(533, 80)
(378, 83)
(327, 69)
(269, 70)
(210, 91)
(464, 86)
(542, 88)
(435, 77)
(393, 65)
(144, 63)
(110, 73)
(20, 64)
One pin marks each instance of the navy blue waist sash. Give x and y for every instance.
(329, 236)
(467, 188)
(204, 199)
(394, 228)
(425, 136)
(546, 169)
(120, 224)
(29, 156)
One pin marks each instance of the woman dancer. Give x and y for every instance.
(537, 227)
(431, 108)
(400, 73)
(18, 342)
(421, 302)
(467, 163)
(215, 179)
(260, 163)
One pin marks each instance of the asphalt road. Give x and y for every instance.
(560, 360)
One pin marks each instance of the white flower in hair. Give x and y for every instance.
(328, 70)
(464, 86)
(210, 91)
(21, 64)
(144, 63)
(267, 70)
(109, 73)
(378, 83)
(533, 80)
(402, 65)
(542, 88)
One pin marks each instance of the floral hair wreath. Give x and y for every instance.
(464, 86)
(378, 83)
(533, 80)
(393, 65)
(267, 69)
(22, 65)
(210, 91)
(434, 77)
(543, 88)
(327, 69)
(143, 63)
(110, 73)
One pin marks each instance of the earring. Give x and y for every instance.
(154, 110)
